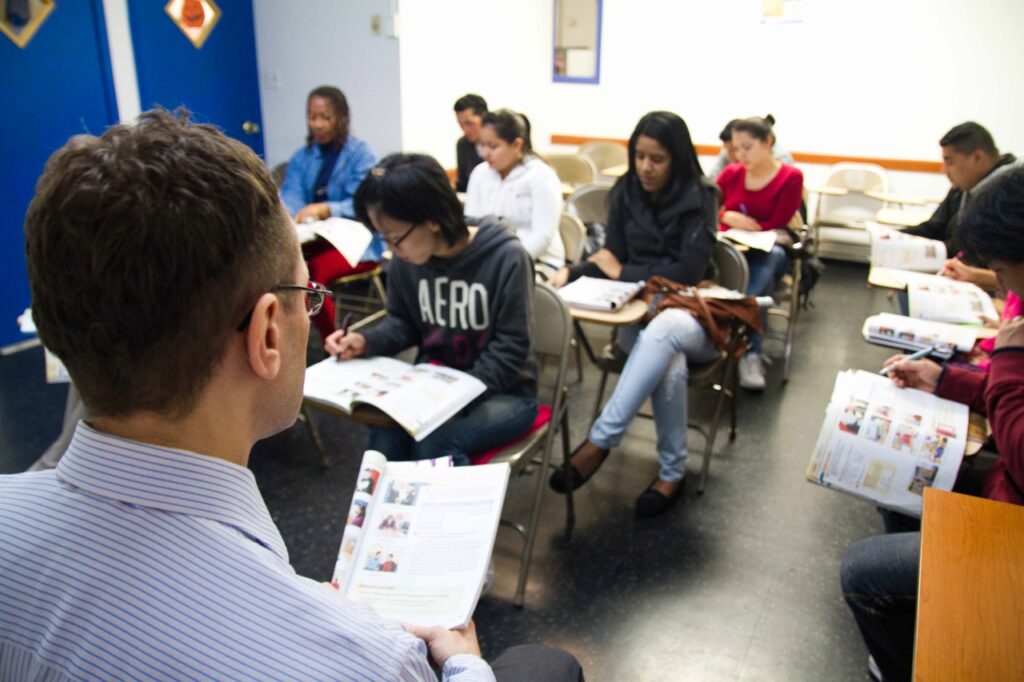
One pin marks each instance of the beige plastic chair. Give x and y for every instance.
(839, 222)
(590, 203)
(572, 169)
(605, 154)
(574, 235)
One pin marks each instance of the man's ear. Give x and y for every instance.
(263, 337)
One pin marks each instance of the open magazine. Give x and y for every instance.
(941, 299)
(419, 536)
(761, 241)
(894, 249)
(419, 398)
(594, 293)
(911, 334)
(886, 444)
(349, 237)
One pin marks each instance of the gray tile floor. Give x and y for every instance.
(738, 584)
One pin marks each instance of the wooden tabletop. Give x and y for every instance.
(900, 217)
(828, 189)
(628, 314)
(615, 171)
(970, 605)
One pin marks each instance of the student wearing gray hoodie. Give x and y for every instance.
(462, 294)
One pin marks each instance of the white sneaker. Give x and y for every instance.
(752, 372)
(873, 670)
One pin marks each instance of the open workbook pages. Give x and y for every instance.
(594, 293)
(419, 398)
(886, 444)
(759, 241)
(894, 249)
(418, 538)
(941, 299)
(912, 334)
(349, 237)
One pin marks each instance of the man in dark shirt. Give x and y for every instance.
(970, 160)
(469, 111)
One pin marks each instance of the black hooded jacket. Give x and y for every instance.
(472, 312)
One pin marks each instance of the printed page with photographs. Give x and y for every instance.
(594, 293)
(886, 444)
(893, 249)
(419, 536)
(760, 241)
(941, 299)
(911, 334)
(419, 398)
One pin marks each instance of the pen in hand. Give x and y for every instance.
(914, 356)
(344, 332)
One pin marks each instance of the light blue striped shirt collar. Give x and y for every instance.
(171, 480)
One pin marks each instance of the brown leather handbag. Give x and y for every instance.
(715, 315)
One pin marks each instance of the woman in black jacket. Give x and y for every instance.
(661, 221)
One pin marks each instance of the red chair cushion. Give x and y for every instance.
(542, 418)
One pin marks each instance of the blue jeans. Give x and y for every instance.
(656, 368)
(766, 269)
(879, 577)
(490, 424)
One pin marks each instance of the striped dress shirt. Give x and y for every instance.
(131, 561)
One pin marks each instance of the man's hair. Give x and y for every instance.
(992, 224)
(412, 188)
(471, 101)
(967, 137)
(146, 246)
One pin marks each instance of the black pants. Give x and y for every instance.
(536, 663)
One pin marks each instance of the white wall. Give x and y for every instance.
(301, 44)
(872, 78)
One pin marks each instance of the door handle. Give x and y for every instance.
(250, 127)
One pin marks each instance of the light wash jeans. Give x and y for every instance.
(497, 421)
(766, 269)
(656, 368)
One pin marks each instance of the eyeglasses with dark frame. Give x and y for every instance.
(394, 244)
(315, 295)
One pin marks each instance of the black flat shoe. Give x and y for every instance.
(652, 503)
(558, 477)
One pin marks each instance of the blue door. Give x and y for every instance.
(218, 82)
(57, 86)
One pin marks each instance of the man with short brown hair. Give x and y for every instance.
(167, 276)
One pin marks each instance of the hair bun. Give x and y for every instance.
(769, 119)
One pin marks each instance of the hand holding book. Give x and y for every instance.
(907, 373)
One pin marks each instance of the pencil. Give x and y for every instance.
(344, 332)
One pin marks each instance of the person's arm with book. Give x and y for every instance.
(956, 269)
(607, 261)
(456, 653)
(937, 226)
(545, 212)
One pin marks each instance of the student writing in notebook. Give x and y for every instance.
(320, 181)
(516, 184)
(463, 297)
(759, 193)
(661, 222)
(148, 553)
(880, 575)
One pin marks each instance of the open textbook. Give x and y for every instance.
(894, 249)
(419, 536)
(419, 398)
(941, 299)
(761, 241)
(887, 444)
(595, 293)
(911, 334)
(349, 237)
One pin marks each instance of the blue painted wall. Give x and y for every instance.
(59, 85)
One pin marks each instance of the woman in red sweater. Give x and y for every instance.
(879, 574)
(759, 193)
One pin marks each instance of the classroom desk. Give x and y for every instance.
(889, 198)
(615, 171)
(900, 217)
(970, 604)
(630, 313)
(829, 190)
